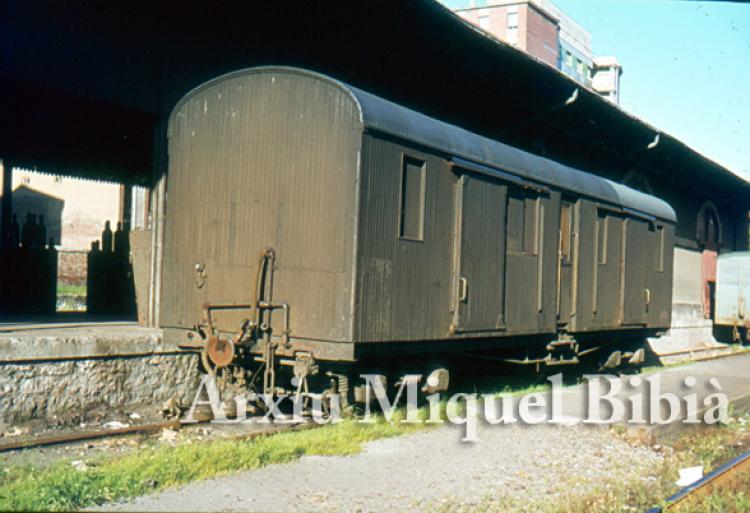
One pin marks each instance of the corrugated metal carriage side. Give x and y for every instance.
(379, 227)
(731, 311)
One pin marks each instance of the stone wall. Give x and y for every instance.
(71, 374)
(69, 392)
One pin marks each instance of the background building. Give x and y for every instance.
(541, 29)
(74, 209)
(71, 213)
(606, 78)
(524, 24)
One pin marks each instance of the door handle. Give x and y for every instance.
(463, 289)
(648, 296)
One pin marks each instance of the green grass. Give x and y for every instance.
(71, 297)
(519, 390)
(61, 486)
(70, 289)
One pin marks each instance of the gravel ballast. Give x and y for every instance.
(422, 472)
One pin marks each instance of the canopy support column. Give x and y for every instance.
(6, 179)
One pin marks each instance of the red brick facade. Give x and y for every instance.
(537, 32)
(541, 35)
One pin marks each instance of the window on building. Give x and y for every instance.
(568, 59)
(512, 36)
(712, 228)
(484, 22)
(512, 20)
(709, 226)
(512, 32)
(412, 199)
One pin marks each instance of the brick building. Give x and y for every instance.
(523, 24)
(542, 30)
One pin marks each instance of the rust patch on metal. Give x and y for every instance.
(220, 351)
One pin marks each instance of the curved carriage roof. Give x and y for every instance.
(384, 116)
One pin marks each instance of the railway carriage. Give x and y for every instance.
(730, 309)
(311, 225)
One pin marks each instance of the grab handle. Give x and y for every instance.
(463, 289)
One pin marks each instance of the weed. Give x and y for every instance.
(62, 486)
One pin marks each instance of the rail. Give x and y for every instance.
(707, 484)
(271, 429)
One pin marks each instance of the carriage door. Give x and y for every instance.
(637, 260)
(564, 265)
(479, 254)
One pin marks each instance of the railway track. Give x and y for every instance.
(714, 481)
(68, 438)
(87, 435)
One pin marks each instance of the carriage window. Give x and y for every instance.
(601, 237)
(660, 249)
(412, 199)
(514, 222)
(531, 222)
(565, 230)
(522, 222)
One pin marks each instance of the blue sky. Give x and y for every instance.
(686, 67)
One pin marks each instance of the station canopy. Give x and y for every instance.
(86, 88)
